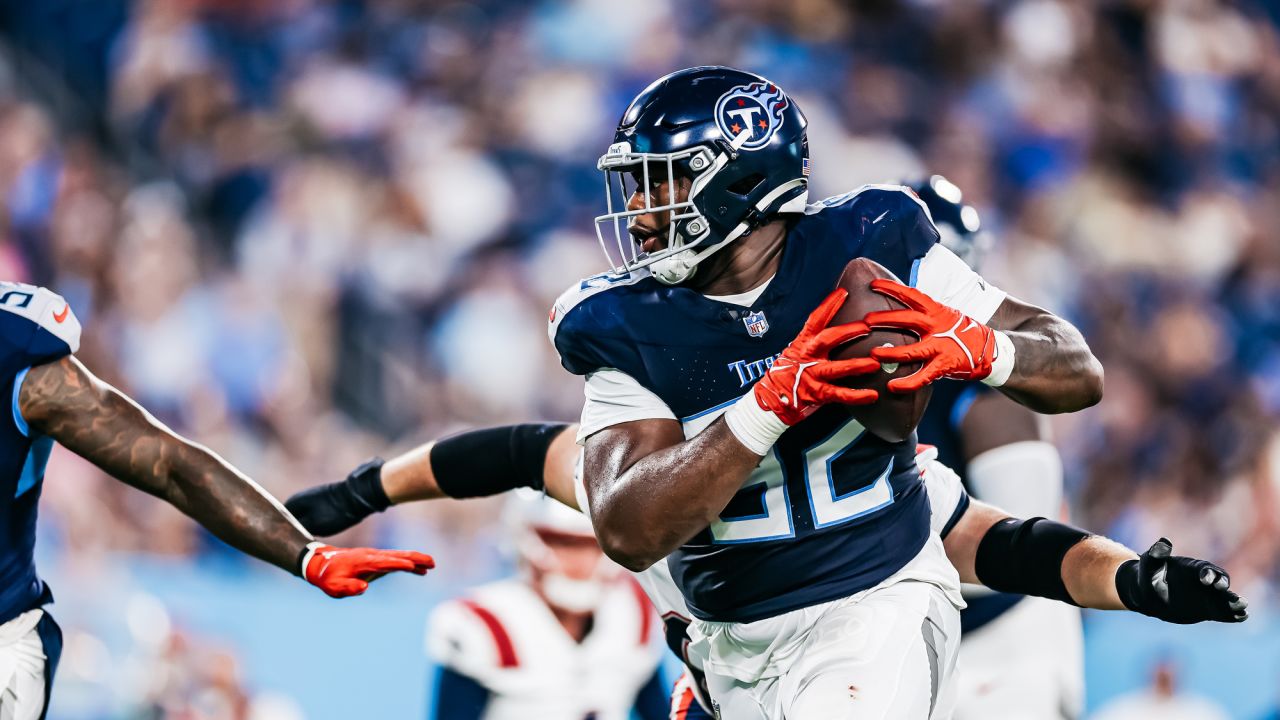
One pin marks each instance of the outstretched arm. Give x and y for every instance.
(94, 420)
(1050, 559)
(475, 463)
(484, 462)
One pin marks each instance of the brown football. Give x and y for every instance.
(894, 416)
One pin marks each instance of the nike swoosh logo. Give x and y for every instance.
(880, 217)
(60, 317)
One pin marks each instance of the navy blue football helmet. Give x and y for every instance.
(957, 223)
(736, 136)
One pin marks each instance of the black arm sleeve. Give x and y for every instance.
(458, 697)
(1025, 557)
(485, 462)
(329, 509)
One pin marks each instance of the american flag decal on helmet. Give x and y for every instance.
(804, 167)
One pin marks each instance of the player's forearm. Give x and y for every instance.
(644, 509)
(231, 506)
(1089, 572)
(408, 477)
(94, 420)
(484, 462)
(476, 463)
(1054, 371)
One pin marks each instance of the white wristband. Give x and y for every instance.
(1002, 363)
(306, 557)
(756, 428)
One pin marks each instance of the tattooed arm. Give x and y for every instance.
(97, 422)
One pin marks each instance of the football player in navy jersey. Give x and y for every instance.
(984, 543)
(715, 431)
(54, 398)
(1019, 656)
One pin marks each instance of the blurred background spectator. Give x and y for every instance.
(307, 231)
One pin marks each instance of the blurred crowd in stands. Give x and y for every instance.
(308, 231)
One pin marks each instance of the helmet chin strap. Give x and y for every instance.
(681, 266)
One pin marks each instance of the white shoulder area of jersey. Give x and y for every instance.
(837, 200)
(614, 397)
(458, 638)
(585, 288)
(946, 278)
(43, 307)
(468, 634)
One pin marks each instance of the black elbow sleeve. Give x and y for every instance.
(1025, 557)
(478, 463)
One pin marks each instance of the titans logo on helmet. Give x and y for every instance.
(756, 107)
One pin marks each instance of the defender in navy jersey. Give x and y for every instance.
(53, 398)
(784, 520)
(1021, 656)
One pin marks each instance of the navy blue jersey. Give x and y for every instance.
(833, 510)
(36, 327)
(940, 427)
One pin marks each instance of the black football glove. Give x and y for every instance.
(1178, 589)
(329, 509)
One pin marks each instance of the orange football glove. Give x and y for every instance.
(951, 345)
(343, 572)
(801, 380)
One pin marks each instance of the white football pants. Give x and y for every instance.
(887, 653)
(1027, 664)
(22, 664)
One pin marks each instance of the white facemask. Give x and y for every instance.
(566, 593)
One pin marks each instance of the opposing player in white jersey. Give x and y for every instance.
(1020, 657)
(571, 637)
(54, 398)
(985, 545)
(716, 430)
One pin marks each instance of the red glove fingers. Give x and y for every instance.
(904, 294)
(911, 320)
(801, 379)
(342, 572)
(833, 337)
(951, 345)
(822, 315)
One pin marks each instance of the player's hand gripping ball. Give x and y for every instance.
(1178, 589)
(952, 344)
(894, 416)
(803, 378)
(343, 572)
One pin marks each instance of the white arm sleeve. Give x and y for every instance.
(615, 397)
(944, 277)
(1024, 479)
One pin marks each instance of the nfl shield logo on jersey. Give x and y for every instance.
(756, 324)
